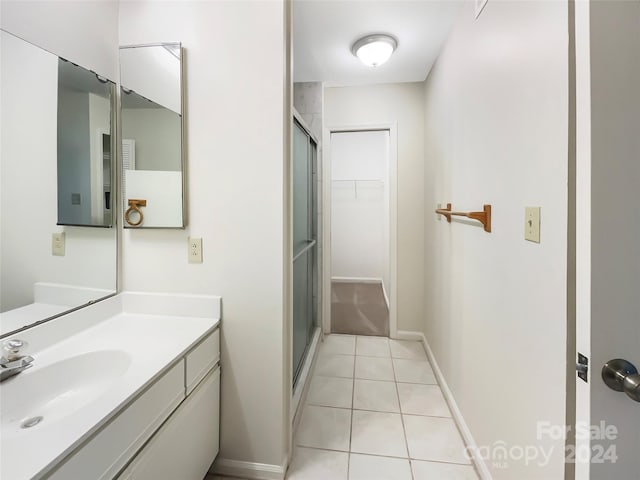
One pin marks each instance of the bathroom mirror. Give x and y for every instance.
(152, 136)
(84, 146)
(39, 282)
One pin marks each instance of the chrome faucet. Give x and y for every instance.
(13, 360)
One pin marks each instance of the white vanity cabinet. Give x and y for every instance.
(186, 445)
(170, 431)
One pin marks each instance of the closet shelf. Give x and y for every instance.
(483, 217)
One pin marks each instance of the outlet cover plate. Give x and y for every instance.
(195, 250)
(57, 244)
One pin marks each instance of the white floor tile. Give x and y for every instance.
(378, 434)
(374, 368)
(330, 392)
(335, 366)
(407, 349)
(367, 467)
(339, 345)
(413, 371)
(433, 438)
(312, 464)
(375, 395)
(324, 427)
(442, 471)
(373, 346)
(416, 399)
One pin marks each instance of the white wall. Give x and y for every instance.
(74, 157)
(402, 104)
(28, 186)
(496, 131)
(234, 53)
(99, 124)
(158, 137)
(360, 205)
(163, 192)
(153, 72)
(85, 33)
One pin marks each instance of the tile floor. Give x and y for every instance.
(374, 411)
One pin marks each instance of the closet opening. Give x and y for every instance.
(360, 254)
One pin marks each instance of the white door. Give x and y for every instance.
(608, 233)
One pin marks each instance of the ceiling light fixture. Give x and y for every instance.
(374, 50)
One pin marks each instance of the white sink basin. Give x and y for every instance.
(41, 396)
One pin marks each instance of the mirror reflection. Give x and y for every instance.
(84, 147)
(42, 278)
(151, 112)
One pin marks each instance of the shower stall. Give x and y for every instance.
(305, 244)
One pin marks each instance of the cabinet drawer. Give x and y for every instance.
(112, 447)
(201, 359)
(186, 445)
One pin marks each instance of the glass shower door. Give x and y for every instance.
(304, 245)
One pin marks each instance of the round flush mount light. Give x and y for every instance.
(374, 50)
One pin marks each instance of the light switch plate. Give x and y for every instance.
(57, 244)
(195, 250)
(532, 224)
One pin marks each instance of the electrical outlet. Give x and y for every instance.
(532, 224)
(195, 250)
(57, 244)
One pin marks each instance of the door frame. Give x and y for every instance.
(578, 392)
(392, 128)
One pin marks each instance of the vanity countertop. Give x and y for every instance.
(138, 347)
(27, 315)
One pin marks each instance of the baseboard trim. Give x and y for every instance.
(479, 463)
(409, 335)
(249, 470)
(302, 386)
(386, 297)
(355, 280)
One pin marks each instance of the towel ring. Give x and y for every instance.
(133, 207)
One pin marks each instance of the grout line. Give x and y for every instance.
(376, 411)
(430, 416)
(373, 356)
(353, 394)
(404, 429)
(385, 456)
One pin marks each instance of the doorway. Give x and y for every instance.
(360, 238)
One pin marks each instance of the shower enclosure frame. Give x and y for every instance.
(309, 253)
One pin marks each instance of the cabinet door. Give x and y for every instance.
(111, 447)
(187, 444)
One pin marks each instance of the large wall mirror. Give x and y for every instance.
(56, 170)
(152, 136)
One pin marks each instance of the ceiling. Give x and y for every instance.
(324, 30)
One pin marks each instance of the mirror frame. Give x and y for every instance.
(183, 145)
